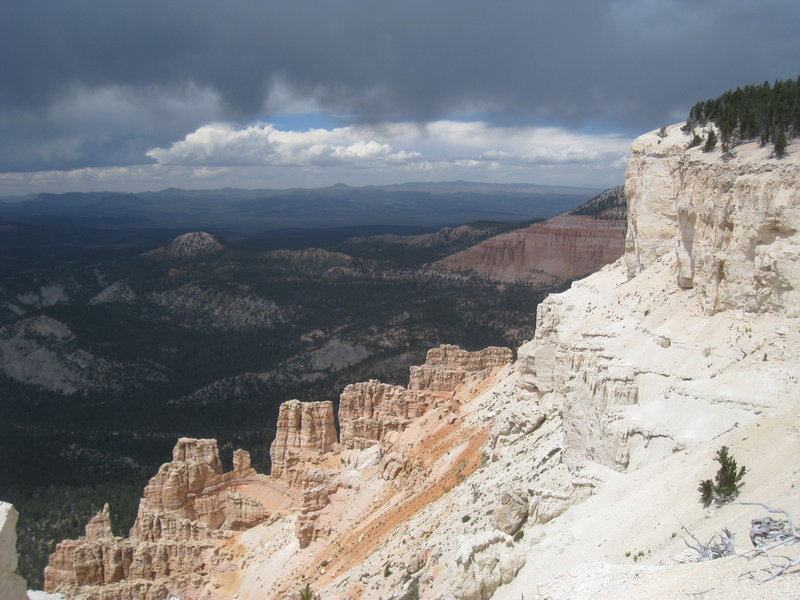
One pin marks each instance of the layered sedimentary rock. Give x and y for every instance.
(304, 431)
(12, 586)
(99, 527)
(243, 512)
(731, 224)
(559, 249)
(369, 410)
(447, 366)
(667, 347)
(187, 511)
(175, 488)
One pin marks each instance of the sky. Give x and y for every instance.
(142, 95)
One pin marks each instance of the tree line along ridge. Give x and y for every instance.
(769, 113)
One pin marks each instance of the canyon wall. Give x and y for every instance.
(303, 430)
(559, 249)
(191, 511)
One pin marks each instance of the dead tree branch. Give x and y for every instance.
(768, 534)
(721, 544)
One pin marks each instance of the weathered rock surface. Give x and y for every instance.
(304, 431)
(562, 248)
(368, 411)
(511, 511)
(637, 365)
(447, 366)
(189, 245)
(243, 512)
(12, 586)
(731, 224)
(188, 510)
(99, 527)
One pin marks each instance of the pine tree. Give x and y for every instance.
(711, 141)
(727, 482)
(780, 143)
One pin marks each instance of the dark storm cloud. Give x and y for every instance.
(85, 82)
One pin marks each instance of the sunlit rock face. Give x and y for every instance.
(189, 508)
(559, 249)
(303, 430)
(667, 347)
(447, 366)
(732, 224)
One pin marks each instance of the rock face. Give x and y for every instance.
(189, 245)
(189, 508)
(99, 527)
(732, 225)
(12, 586)
(565, 247)
(304, 430)
(638, 364)
(368, 411)
(447, 366)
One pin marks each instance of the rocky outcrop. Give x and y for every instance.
(511, 511)
(447, 366)
(177, 486)
(12, 586)
(643, 367)
(562, 248)
(369, 410)
(188, 510)
(196, 244)
(731, 224)
(241, 462)
(304, 431)
(243, 512)
(99, 527)
(487, 563)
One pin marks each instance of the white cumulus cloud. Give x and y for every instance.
(445, 143)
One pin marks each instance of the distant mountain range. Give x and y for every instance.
(240, 213)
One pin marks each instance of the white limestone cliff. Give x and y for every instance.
(12, 586)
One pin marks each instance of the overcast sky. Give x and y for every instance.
(143, 95)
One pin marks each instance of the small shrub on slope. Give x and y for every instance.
(728, 481)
